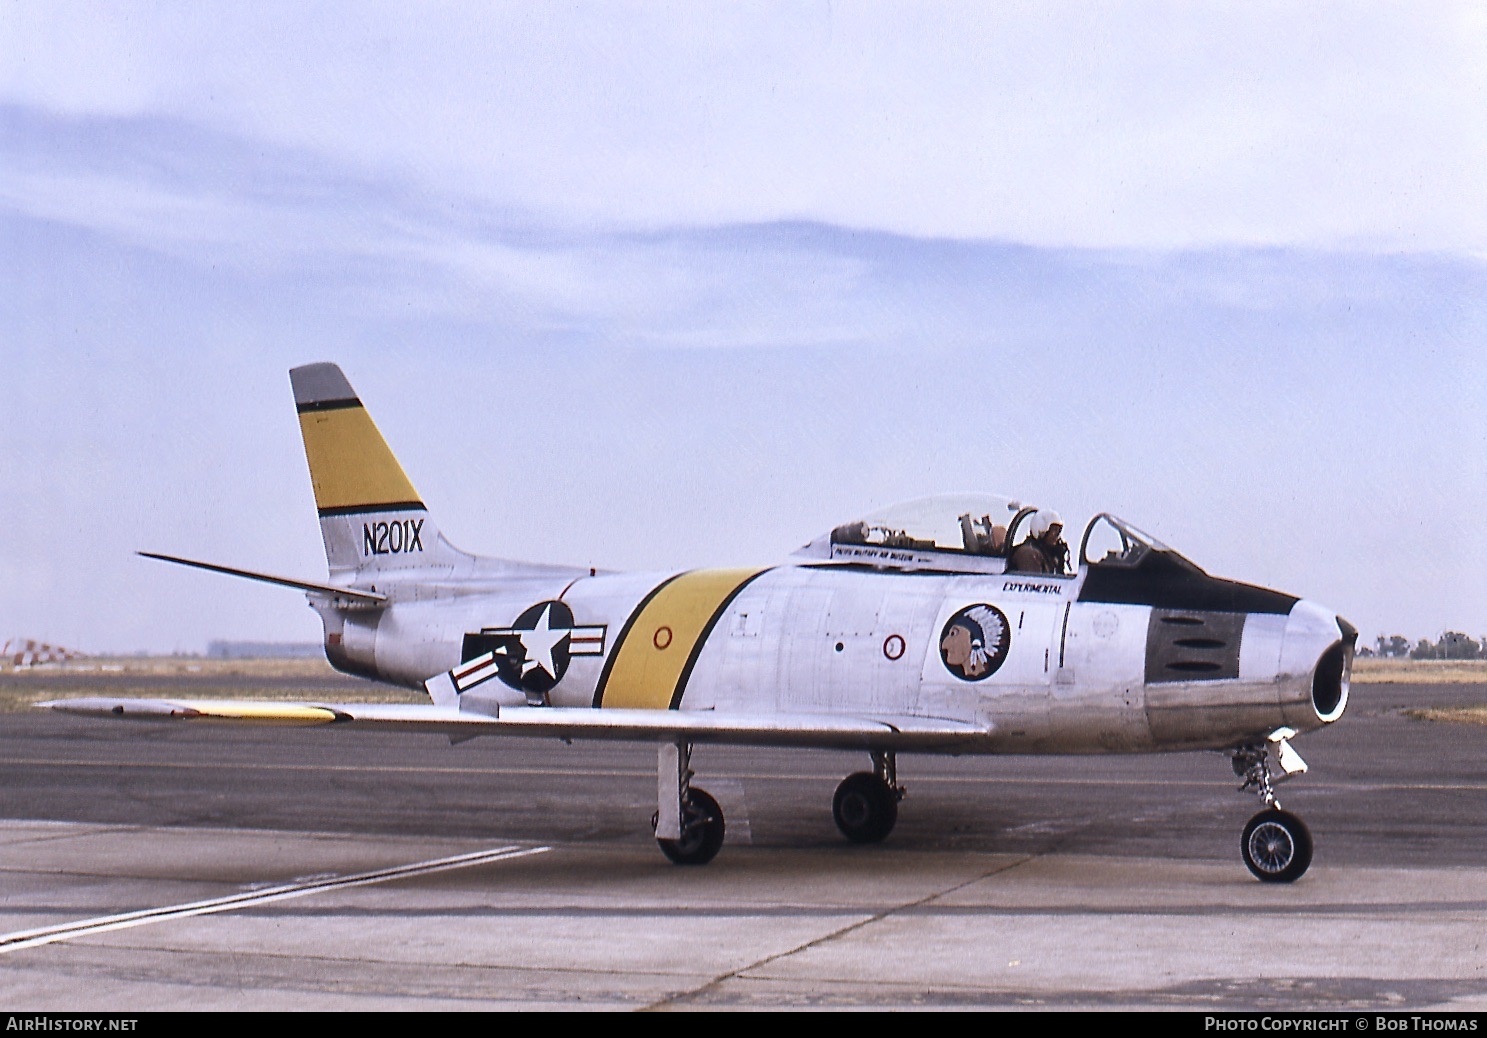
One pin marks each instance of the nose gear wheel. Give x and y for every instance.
(1276, 846)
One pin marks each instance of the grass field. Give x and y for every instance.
(192, 678)
(309, 668)
(1452, 715)
(1419, 672)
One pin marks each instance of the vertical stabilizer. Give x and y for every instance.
(371, 518)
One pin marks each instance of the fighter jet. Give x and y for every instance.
(955, 624)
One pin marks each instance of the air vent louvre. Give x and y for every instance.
(1200, 643)
(1185, 645)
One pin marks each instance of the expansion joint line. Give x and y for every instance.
(698, 994)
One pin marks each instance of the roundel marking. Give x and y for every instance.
(662, 637)
(974, 642)
(533, 653)
(893, 646)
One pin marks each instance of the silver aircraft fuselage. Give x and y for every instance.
(1154, 656)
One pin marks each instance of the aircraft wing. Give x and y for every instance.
(866, 731)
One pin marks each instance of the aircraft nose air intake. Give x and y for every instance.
(1329, 685)
(1320, 641)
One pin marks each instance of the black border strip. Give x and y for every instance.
(681, 682)
(369, 509)
(619, 641)
(327, 405)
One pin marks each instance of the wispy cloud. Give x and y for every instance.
(625, 291)
(1146, 125)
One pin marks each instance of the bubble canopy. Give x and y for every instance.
(967, 532)
(954, 532)
(933, 523)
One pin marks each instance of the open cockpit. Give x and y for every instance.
(986, 533)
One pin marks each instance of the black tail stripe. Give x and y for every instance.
(327, 405)
(391, 506)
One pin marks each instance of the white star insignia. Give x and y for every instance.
(539, 643)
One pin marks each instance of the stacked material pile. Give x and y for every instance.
(27, 652)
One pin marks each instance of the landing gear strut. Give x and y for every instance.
(688, 822)
(1276, 845)
(866, 803)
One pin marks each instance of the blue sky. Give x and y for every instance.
(658, 286)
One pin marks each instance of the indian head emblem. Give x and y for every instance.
(974, 642)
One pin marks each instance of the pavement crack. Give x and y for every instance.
(698, 994)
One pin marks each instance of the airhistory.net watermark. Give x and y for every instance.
(42, 1022)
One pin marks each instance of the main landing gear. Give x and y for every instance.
(688, 822)
(866, 804)
(702, 831)
(1276, 845)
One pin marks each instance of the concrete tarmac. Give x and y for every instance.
(321, 869)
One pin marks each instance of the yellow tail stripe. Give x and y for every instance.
(350, 463)
(656, 652)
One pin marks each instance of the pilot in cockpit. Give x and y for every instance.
(1044, 550)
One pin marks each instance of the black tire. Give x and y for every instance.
(865, 808)
(1276, 846)
(702, 831)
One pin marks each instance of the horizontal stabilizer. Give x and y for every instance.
(344, 597)
(816, 730)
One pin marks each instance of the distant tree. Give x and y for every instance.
(1395, 646)
(1457, 646)
(1452, 645)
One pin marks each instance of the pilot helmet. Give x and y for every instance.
(1042, 520)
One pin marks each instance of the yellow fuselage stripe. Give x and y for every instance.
(350, 463)
(655, 655)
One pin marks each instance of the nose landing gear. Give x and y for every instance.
(1276, 845)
